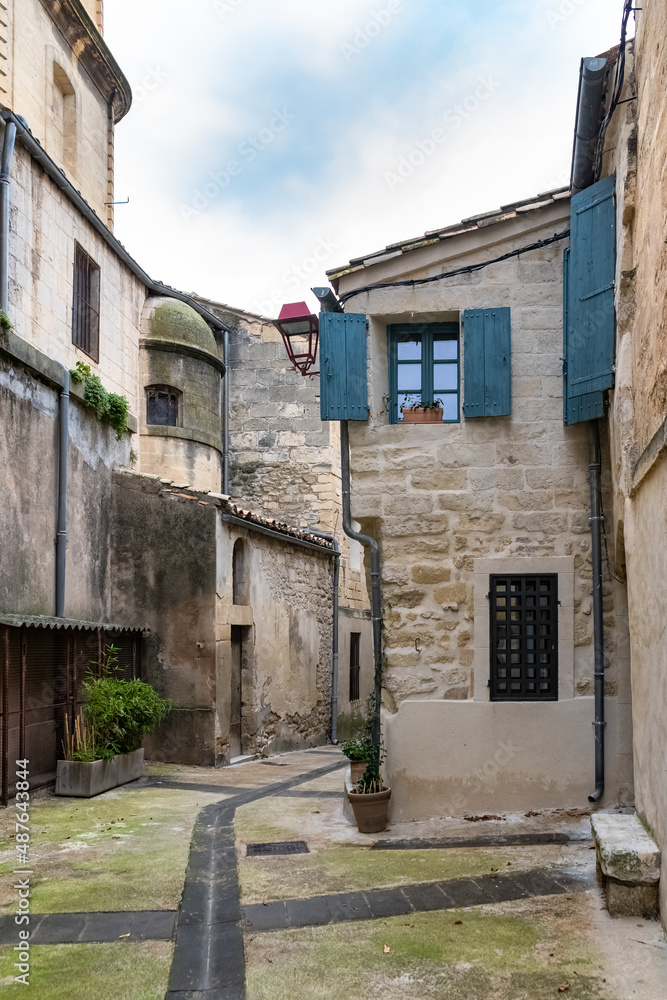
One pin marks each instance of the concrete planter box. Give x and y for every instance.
(83, 780)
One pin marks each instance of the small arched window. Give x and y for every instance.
(240, 573)
(163, 405)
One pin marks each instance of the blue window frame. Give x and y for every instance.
(424, 363)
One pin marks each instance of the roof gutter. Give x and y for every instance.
(588, 119)
(26, 138)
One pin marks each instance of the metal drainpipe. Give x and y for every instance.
(61, 530)
(376, 588)
(334, 641)
(225, 410)
(598, 622)
(587, 125)
(7, 156)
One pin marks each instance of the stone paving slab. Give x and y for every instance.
(492, 840)
(375, 904)
(98, 928)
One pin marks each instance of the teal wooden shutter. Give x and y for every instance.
(588, 291)
(343, 375)
(487, 362)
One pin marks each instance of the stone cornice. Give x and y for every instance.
(81, 33)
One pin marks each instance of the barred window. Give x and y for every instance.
(524, 638)
(86, 304)
(162, 406)
(355, 665)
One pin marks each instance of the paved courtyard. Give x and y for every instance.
(152, 890)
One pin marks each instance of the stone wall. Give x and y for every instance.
(453, 503)
(35, 45)
(43, 229)
(29, 463)
(637, 147)
(172, 562)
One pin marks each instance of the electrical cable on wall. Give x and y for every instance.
(460, 270)
(619, 80)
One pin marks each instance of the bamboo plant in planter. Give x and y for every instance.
(104, 749)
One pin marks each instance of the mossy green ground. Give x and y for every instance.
(492, 955)
(91, 971)
(339, 866)
(124, 850)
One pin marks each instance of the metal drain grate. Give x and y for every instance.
(282, 847)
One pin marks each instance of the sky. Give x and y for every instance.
(269, 142)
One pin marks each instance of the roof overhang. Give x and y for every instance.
(80, 32)
(67, 624)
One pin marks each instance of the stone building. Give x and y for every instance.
(248, 669)
(483, 520)
(285, 462)
(633, 142)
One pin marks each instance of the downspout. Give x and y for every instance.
(598, 622)
(376, 588)
(587, 124)
(7, 156)
(225, 414)
(334, 641)
(61, 529)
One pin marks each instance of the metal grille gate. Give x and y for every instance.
(42, 671)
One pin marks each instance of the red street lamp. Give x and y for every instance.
(300, 331)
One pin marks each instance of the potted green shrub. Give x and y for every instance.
(368, 796)
(416, 410)
(104, 749)
(358, 750)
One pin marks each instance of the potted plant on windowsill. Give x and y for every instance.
(422, 411)
(104, 749)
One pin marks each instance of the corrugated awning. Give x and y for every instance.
(44, 621)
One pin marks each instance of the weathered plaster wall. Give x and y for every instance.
(34, 45)
(164, 573)
(43, 228)
(512, 489)
(287, 624)
(29, 463)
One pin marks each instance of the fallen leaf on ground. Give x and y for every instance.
(458, 921)
(564, 987)
(123, 935)
(387, 949)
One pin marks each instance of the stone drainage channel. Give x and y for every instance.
(209, 959)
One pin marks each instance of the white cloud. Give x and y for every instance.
(216, 87)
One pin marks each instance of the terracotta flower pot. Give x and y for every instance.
(371, 811)
(415, 415)
(357, 768)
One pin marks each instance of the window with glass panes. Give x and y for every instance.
(524, 638)
(424, 367)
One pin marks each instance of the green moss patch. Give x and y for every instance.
(125, 850)
(92, 971)
(458, 955)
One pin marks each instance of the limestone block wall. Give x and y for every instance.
(637, 147)
(43, 230)
(453, 503)
(34, 45)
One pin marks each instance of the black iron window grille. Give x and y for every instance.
(524, 638)
(355, 665)
(162, 406)
(86, 304)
